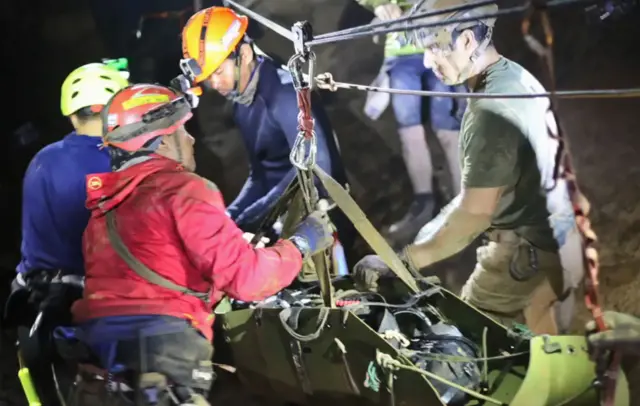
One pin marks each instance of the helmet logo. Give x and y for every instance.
(141, 100)
(94, 183)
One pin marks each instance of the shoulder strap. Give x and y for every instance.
(141, 269)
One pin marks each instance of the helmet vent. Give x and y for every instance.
(106, 77)
(110, 90)
(74, 94)
(76, 81)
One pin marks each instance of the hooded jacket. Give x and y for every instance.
(53, 203)
(174, 223)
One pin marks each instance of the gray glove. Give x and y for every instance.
(314, 234)
(624, 334)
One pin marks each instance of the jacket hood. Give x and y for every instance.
(107, 190)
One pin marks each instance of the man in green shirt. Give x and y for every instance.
(403, 69)
(508, 191)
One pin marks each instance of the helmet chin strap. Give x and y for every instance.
(235, 93)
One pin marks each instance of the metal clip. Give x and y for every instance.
(303, 154)
(302, 34)
(295, 68)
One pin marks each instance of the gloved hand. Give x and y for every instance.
(624, 333)
(260, 244)
(313, 234)
(386, 12)
(368, 271)
(371, 268)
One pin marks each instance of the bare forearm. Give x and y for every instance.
(446, 235)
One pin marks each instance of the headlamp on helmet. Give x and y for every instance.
(140, 113)
(441, 36)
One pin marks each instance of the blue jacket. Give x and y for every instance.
(269, 127)
(53, 203)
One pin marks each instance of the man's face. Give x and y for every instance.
(223, 80)
(450, 62)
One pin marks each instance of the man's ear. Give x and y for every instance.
(467, 39)
(246, 54)
(74, 120)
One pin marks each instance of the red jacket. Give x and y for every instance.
(174, 222)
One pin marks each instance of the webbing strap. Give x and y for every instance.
(141, 269)
(353, 212)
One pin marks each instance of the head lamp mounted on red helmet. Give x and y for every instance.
(132, 131)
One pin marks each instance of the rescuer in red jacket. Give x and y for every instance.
(160, 251)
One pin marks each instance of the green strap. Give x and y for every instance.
(351, 209)
(141, 269)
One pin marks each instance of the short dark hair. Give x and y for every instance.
(480, 32)
(85, 114)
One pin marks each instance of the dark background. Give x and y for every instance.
(43, 41)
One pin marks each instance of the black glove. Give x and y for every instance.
(371, 268)
(368, 271)
(313, 234)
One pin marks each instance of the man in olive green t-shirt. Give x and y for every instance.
(508, 191)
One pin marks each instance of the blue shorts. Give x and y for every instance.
(409, 73)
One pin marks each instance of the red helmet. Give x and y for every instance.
(139, 113)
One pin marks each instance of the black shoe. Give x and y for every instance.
(404, 231)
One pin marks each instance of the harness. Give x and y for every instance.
(141, 269)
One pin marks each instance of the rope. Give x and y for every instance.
(325, 81)
(373, 30)
(581, 206)
(387, 362)
(383, 24)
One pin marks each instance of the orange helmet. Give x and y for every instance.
(210, 36)
(139, 113)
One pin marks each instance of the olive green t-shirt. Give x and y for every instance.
(506, 143)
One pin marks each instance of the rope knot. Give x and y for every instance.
(387, 362)
(325, 81)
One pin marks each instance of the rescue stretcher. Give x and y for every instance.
(337, 356)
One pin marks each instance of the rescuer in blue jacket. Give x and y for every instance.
(51, 273)
(265, 109)
(54, 189)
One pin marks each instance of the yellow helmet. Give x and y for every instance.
(442, 35)
(90, 85)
